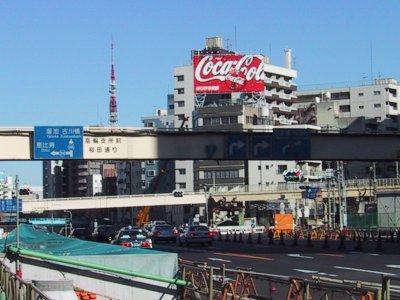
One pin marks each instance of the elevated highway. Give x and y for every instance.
(354, 188)
(108, 143)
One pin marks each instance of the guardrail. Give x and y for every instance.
(222, 283)
(14, 287)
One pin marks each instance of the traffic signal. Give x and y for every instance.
(178, 194)
(25, 191)
(293, 175)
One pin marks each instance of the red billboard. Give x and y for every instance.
(228, 73)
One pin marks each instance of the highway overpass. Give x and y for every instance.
(242, 193)
(109, 143)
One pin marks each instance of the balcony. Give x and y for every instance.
(390, 110)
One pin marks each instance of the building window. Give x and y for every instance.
(360, 94)
(181, 103)
(206, 121)
(225, 120)
(182, 171)
(180, 78)
(215, 121)
(361, 107)
(233, 120)
(180, 91)
(151, 173)
(376, 93)
(221, 174)
(150, 124)
(377, 105)
(171, 106)
(150, 162)
(344, 108)
(281, 169)
(182, 185)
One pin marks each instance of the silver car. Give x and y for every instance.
(163, 232)
(196, 234)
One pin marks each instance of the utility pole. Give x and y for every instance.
(17, 265)
(341, 195)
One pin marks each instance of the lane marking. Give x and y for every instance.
(315, 272)
(219, 259)
(364, 270)
(306, 271)
(243, 255)
(300, 256)
(393, 266)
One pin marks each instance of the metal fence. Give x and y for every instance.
(12, 287)
(223, 283)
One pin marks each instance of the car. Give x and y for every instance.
(81, 233)
(163, 232)
(103, 233)
(136, 238)
(196, 234)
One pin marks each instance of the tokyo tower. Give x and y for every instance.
(113, 117)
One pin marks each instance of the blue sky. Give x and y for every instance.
(55, 55)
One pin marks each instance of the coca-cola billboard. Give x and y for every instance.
(228, 73)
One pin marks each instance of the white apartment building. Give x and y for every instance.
(369, 108)
(341, 106)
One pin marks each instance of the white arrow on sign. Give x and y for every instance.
(219, 259)
(62, 153)
(239, 144)
(287, 147)
(300, 256)
(263, 145)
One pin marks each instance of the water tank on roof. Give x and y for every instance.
(327, 95)
(213, 42)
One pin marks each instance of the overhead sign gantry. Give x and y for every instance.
(110, 143)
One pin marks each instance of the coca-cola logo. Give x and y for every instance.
(234, 71)
(235, 80)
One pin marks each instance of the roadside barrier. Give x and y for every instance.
(359, 244)
(259, 241)
(295, 239)
(234, 237)
(211, 282)
(281, 240)
(342, 242)
(379, 246)
(240, 237)
(227, 239)
(309, 243)
(249, 239)
(326, 242)
(270, 237)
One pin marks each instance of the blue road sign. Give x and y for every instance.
(261, 147)
(291, 144)
(236, 147)
(58, 142)
(10, 205)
